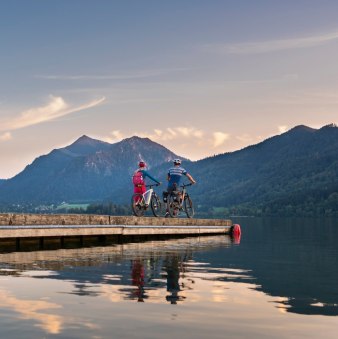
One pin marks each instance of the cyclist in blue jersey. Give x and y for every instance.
(174, 177)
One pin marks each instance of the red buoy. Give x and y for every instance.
(236, 233)
(236, 230)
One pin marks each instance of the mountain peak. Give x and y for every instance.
(86, 145)
(302, 128)
(135, 138)
(85, 140)
(136, 141)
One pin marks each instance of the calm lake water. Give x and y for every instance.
(279, 281)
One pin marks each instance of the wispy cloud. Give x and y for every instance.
(272, 45)
(116, 135)
(191, 135)
(282, 129)
(220, 138)
(173, 133)
(124, 76)
(5, 136)
(55, 108)
(161, 135)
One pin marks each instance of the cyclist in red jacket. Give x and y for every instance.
(139, 178)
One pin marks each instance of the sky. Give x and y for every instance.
(198, 77)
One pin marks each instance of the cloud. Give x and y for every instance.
(5, 136)
(272, 45)
(245, 138)
(55, 108)
(220, 138)
(126, 76)
(117, 135)
(180, 135)
(173, 133)
(158, 134)
(282, 129)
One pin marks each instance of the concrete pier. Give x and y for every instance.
(82, 225)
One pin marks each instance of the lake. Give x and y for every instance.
(280, 280)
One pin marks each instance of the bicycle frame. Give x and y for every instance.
(147, 194)
(183, 193)
(142, 201)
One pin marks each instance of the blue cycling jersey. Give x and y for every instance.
(175, 174)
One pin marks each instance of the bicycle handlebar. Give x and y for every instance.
(152, 185)
(185, 185)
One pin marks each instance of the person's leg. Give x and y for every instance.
(169, 190)
(139, 189)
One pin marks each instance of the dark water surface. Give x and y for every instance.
(279, 281)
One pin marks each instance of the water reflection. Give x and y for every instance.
(154, 272)
(272, 270)
(138, 267)
(296, 259)
(137, 276)
(39, 310)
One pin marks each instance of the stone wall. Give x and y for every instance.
(7, 219)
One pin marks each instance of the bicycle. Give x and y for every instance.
(141, 202)
(179, 200)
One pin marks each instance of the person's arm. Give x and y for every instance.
(192, 180)
(146, 174)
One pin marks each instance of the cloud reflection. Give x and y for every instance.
(34, 309)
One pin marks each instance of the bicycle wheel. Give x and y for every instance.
(137, 204)
(173, 206)
(188, 207)
(156, 205)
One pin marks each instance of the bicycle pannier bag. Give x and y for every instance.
(138, 178)
(165, 196)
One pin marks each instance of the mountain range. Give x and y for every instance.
(87, 170)
(295, 173)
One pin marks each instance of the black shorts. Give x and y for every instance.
(172, 188)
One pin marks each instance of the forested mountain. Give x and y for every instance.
(295, 173)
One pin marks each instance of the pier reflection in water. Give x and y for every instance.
(193, 287)
(138, 269)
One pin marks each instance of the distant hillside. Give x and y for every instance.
(295, 173)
